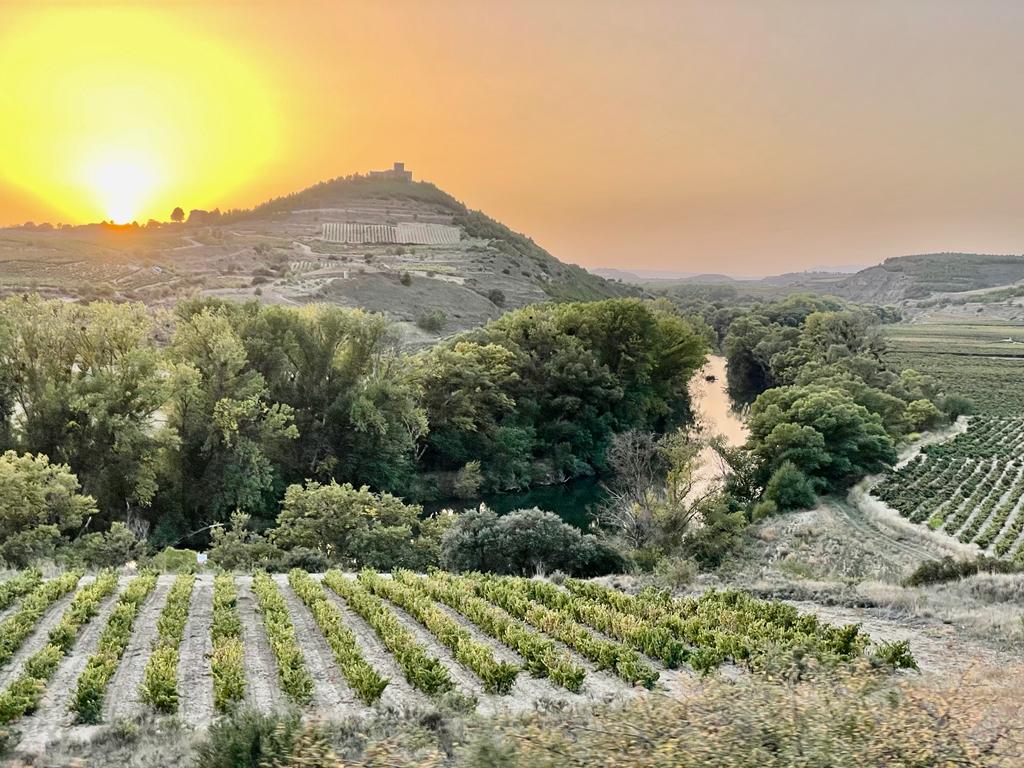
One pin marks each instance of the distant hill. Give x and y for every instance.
(923, 275)
(386, 244)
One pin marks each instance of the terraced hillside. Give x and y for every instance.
(970, 488)
(81, 652)
(401, 247)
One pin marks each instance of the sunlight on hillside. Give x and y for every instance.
(152, 113)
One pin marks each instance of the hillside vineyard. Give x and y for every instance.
(971, 488)
(82, 650)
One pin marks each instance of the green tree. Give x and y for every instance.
(40, 505)
(354, 526)
(821, 431)
(789, 488)
(89, 383)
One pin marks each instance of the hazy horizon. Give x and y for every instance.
(740, 138)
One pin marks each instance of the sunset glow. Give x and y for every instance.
(693, 136)
(124, 114)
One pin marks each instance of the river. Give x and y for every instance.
(578, 500)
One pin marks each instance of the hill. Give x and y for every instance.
(921, 276)
(386, 244)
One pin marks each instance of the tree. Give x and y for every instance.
(822, 432)
(89, 383)
(789, 488)
(40, 505)
(353, 526)
(178, 215)
(524, 542)
(657, 491)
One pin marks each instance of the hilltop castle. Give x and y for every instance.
(397, 172)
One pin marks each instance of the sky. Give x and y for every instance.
(739, 137)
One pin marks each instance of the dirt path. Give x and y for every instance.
(399, 695)
(52, 719)
(938, 647)
(195, 680)
(262, 691)
(331, 692)
(123, 698)
(39, 636)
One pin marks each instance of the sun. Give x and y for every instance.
(123, 185)
(125, 112)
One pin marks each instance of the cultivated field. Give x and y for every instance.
(971, 488)
(983, 362)
(80, 652)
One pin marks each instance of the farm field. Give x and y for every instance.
(970, 488)
(79, 652)
(983, 362)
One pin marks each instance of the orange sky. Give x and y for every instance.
(747, 138)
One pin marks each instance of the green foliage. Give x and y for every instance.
(90, 382)
(160, 678)
(552, 383)
(87, 700)
(226, 658)
(354, 526)
(497, 676)
(18, 585)
(789, 488)
(15, 628)
(171, 560)
(22, 696)
(108, 549)
(422, 670)
(291, 666)
(496, 297)
(539, 653)
(515, 597)
(821, 431)
(39, 506)
(250, 739)
(895, 654)
(364, 679)
(949, 569)
(523, 542)
(432, 321)
(237, 548)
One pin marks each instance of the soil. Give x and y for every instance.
(261, 682)
(195, 679)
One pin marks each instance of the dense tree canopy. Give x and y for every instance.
(176, 422)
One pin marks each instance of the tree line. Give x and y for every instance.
(174, 421)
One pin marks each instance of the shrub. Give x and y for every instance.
(226, 633)
(405, 279)
(526, 541)
(160, 679)
(949, 569)
(291, 666)
(171, 560)
(433, 320)
(789, 488)
(237, 548)
(87, 701)
(895, 654)
(497, 297)
(249, 739)
(108, 549)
